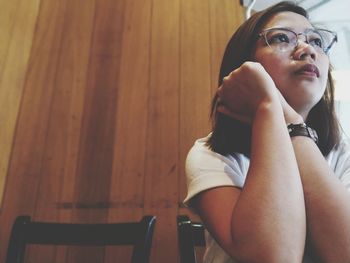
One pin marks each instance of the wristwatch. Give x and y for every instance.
(301, 129)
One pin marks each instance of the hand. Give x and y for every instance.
(244, 90)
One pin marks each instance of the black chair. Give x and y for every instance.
(190, 235)
(137, 234)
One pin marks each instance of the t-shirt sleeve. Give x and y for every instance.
(341, 163)
(206, 169)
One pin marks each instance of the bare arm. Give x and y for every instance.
(327, 204)
(326, 199)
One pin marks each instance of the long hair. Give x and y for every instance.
(229, 135)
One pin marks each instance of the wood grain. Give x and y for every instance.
(222, 28)
(131, 119)
(15, 44)
(96, 152)
(24, 172)
(162, 159)
(100, 102)
(59, 162)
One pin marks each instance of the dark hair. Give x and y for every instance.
(229, 135)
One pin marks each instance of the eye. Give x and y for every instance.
(316, 42)
(279, 38)
(315, 39)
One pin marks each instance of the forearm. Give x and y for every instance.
(269, 217)
(327, 204)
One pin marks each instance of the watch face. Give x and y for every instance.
(313, 134)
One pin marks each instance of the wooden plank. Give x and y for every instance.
(98, 128)
(96, 152)
(221, 29)
(17, 23)
(131, 120)
(29, 143)
(69, 101)
(161, 177)
(195, 89)
(127, 184)
(8, 15)
(57, 178)
(64, 124)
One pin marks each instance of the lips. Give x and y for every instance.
(308, 69)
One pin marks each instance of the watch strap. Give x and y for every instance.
(301, 129)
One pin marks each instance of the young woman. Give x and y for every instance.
(270, 182)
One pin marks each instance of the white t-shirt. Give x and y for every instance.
(206, 169)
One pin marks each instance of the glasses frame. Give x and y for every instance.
(325, 50)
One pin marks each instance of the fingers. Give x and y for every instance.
(243, 90)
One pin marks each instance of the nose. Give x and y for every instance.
(304, 50)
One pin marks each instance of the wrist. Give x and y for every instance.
(293, 117)
(267, 108)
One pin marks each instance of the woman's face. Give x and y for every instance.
(300, 74)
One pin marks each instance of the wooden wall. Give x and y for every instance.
(100, 101)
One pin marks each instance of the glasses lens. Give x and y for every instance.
(328, 38)
(315, 39)
(281, 39)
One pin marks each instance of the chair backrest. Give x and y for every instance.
(190, 235)
(25, 232)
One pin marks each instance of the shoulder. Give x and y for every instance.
(339, 158)
(206, 169)
(340, 151)
(202, 158)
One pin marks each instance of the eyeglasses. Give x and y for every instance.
(283, 39)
